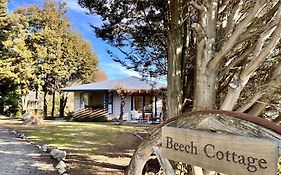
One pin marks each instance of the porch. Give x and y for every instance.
(138, 107)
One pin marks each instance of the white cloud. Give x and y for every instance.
(115, 70)
(74, 6)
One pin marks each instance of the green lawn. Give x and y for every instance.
(93, 148)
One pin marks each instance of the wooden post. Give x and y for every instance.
(221, 124)
(165, 164)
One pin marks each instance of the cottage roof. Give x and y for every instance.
(132, 83)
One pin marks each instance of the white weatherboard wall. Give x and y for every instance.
(76, 101)
(116, 107)
(159, 105)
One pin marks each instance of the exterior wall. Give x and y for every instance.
(116, 104)
(159, 106)
(76, 101)
(116, 107)
(127, 107)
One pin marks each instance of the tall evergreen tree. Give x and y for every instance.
(216, 51)
(43, 52)
(9, 96)
(59, 55)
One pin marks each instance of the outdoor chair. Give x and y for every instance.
(136, 116)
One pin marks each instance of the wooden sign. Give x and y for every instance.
(223, 153)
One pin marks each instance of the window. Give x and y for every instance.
(143, 102)
(148, 102)
(138, 103)
(82, 100)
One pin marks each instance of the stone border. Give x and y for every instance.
(56, 153)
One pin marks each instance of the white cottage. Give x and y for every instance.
(101, 98)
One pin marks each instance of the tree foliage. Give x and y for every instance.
(136, 28)
(9, 96)
(100, 76)
(43, 52)
(220, 54)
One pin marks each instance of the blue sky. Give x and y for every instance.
(81, 22)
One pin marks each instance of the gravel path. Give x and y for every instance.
(20, 158)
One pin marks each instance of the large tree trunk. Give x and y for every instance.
(205, 90)
(45, 105)
(175, 59)
(24, 101)
(122, 104)
(164, 107)
(206, 75)
(36, 100)
(53, 104)
(63, 101)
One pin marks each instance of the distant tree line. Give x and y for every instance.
(40, 52)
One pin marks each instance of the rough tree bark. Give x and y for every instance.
(53, 104)
(206, 76)
(36, 100)
(63, 101)
(45, 102)
(122, 104)
(175, 59)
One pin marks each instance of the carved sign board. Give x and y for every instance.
(228, 154)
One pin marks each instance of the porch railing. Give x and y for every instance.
(90, 114)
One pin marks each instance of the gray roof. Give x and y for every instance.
(132, 83)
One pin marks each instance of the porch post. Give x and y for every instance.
(105, 97)
(155, 106)
(143, 106)
(132, 102)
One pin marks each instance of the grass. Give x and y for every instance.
(93, 148)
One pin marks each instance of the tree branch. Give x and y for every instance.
(247, 36)
(228, 46)
(198, 30)
(198, 7)
(238, 60)
(250, 102)
(271, 88)
(261, 55)
(260, 106)
(223, 6)
(266, 17)
(230, 20)
(256, 29)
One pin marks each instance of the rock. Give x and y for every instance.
(32, 119)
(62, 170)
(23, 137)
(58, 154)
(61, 164)
(45, 148)
(20, 135)
(38, 146)
(26, 116)
(14, 132)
